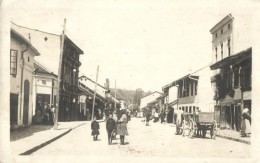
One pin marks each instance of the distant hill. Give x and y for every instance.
(128, 95)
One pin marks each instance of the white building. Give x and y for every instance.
(45, 88)
(194, 91)
(22, 54)
(230, 36)
(149, 98)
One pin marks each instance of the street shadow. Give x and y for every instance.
(127, 143)
(114, 143)
(27, 131)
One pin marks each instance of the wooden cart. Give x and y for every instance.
(202, 122)
(205, 122)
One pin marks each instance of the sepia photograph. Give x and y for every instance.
(129, 81)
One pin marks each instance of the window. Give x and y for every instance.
(216, 53)
(191, 93)
(190, 109)
(196, 85)
(187, 86)
(13, 62)
(28, 59)
(229, 48)
(221, 31)
(221, 50)
(44, 82)
(229, 26)
(216, 35)
(236, 78)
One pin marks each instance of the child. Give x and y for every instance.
(95, 129)
(110, 126)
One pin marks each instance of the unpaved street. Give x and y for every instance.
(156, 140)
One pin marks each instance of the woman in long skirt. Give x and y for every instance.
(122, 127)
(246, 123)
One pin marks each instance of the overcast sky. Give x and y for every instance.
(141, 44)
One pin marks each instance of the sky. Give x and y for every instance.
(140, 44)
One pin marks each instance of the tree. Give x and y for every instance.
(138, 94)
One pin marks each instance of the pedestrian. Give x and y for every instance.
(162, 115)
(147, 115)
(110, 126)
(53, 113)
(246, 123)
(191, 127)
(179, 113)
(122, 127)
(115, 117)
(95, 129)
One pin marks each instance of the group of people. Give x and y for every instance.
(116, 124)
(44, 115)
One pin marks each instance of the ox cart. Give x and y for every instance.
(198, 124)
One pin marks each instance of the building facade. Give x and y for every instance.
(193, 91)
(48, 44)
(45, 87)
(232, 69)
(149, 98)
(22, 55)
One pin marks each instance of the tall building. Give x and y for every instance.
(231, 64)
(48, 44)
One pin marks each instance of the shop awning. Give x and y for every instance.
(233, 60)
(173, 103)
(227, 100)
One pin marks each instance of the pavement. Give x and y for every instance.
(28, 140)
(231, 135)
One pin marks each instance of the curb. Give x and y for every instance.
(235, 139)
(32, 150)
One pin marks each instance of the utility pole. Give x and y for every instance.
(59, 77)
(93, 106)
(115, 95)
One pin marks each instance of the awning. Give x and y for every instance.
(173, 103)
(233, 60)
(227, 100)
(89, 93)
(152, 103)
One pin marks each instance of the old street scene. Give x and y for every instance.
(120, 80)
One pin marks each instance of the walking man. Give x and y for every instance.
(110, 126)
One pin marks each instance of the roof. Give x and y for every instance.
(86, 90)
(151, 94)
(220, 23)
(191, 76)
(153, 102)
(39, 69)
(17, 35)
(48, 44)
(234, 59)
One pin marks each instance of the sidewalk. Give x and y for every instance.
(233, 135)
(229, 134)
(27, 140)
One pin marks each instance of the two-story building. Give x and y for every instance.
(22, 54)
(144, 101)
(231, 65)
(48, 44)
(192, 92)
